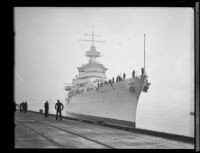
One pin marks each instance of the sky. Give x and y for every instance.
(48, 51)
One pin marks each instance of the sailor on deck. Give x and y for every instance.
(133, 73)
(124, 76)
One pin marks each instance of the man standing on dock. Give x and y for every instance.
(20, 107)
(59, 109)
(26, 106)
(46, 109)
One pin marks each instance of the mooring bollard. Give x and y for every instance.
(41, 111)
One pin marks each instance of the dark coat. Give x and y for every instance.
(46, 106)
(59, 106)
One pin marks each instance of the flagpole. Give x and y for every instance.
(144, 55)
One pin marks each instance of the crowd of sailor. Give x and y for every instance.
(118, 79)
(109, 82)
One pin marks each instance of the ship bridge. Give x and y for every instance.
(90, 75)
(92, 66)
(92, 52)
(93, 71)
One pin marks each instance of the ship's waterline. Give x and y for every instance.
(116, 101)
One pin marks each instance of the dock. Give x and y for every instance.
(33, 130)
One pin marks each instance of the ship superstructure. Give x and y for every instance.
(93, 97)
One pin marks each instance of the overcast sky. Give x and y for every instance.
(48, 50)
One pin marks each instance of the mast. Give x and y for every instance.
(144, 55)
(92, 54)
(92, 40)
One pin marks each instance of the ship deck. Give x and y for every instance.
(33, 130)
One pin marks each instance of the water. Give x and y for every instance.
(169, 121)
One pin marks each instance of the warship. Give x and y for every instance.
(94, 97)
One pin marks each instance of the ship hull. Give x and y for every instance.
(102, 120)
(113, 104)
